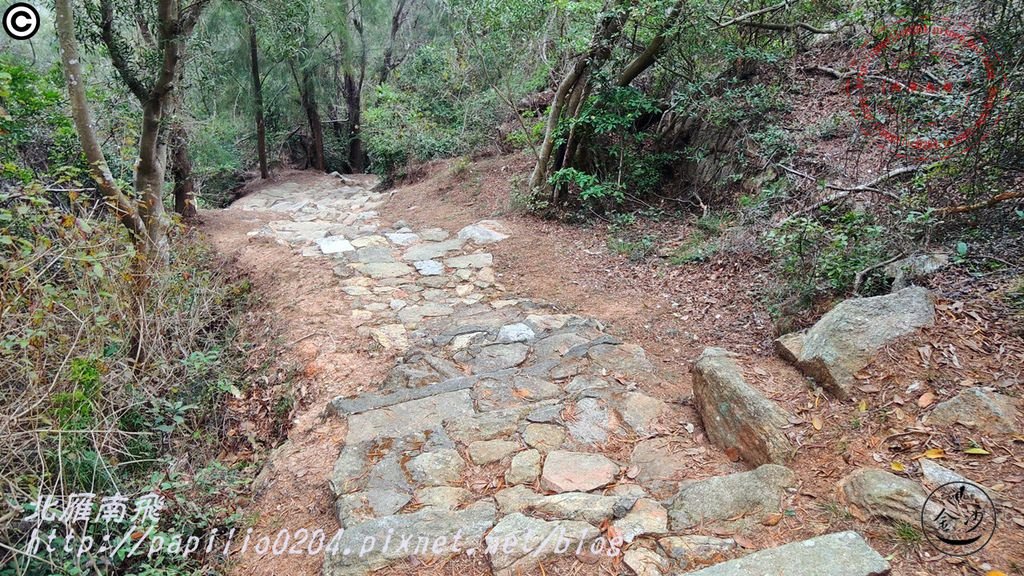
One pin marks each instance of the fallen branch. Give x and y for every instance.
(790, 27)
(859, 278)
(753, 14)
(979, 205)
(844, 192)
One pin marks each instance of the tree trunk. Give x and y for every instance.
(316, 128)
(572, 89)
(123, 206)
(181, 172)
(257, 92)
(353, 101)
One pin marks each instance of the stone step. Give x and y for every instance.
(838, 554)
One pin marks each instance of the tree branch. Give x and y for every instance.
(118, 57)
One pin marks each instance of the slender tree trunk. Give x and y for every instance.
(353, 101)
(123, 206)
(181, 172)
(257, 92)
(316, 129)
(570, 93)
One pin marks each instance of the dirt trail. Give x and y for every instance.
(532, 323)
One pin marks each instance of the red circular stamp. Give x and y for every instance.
(928, 90)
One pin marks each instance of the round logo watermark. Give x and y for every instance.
(958, 518)
(928, 90)
(21, 21)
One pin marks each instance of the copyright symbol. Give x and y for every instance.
(21, 21)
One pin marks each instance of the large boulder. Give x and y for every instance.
(735, 414)
(839, 554)
(847, 338)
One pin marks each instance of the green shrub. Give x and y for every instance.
(824, 256)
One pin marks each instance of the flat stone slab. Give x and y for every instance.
(402, 238)
(335, 245)
(381, 270)
(484, 232)
(577, 471)
(471, 261)
(431, 250)
(448, 531)
(429, 267)
(749, 495)
(839, 554)
(375, 400)
(398, 420)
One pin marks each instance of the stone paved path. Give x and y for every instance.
(502, 421)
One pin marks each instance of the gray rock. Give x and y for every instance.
(696, 549)
(735, 414)
(434, 234)
(838, 554)
(335, 245)
(441, 467)
(641, 412)
(912, 268)
(847, 338)
(624, 359)
(433, 533)
(936, 475)
(402, 238)
(485, 452)
(879, 494)
(431, 250)
(429, 267)
(499, 357)
(977, 408)
(752, 495)
(475, 427)
(546, 414)
(660, 469)
(374, 400)
(443, 497)
(556, 345)
(374, 255)
(644, 562)
(515, 543)
(495, 393)
(515, 333)
(592, 421)
(646, 517)
(481, 260)
(525, 468)
(387, 488)
(544, 437)
(408, 417)
(381, 270)
(592, 508)
(577, 471)
(484, 232)
(412, 315)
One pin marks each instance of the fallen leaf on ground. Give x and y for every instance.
(978, 451)
(771, 520)
(925, 400)
(744, 542)
(898, 467)
(817, 423)
(933, 453)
